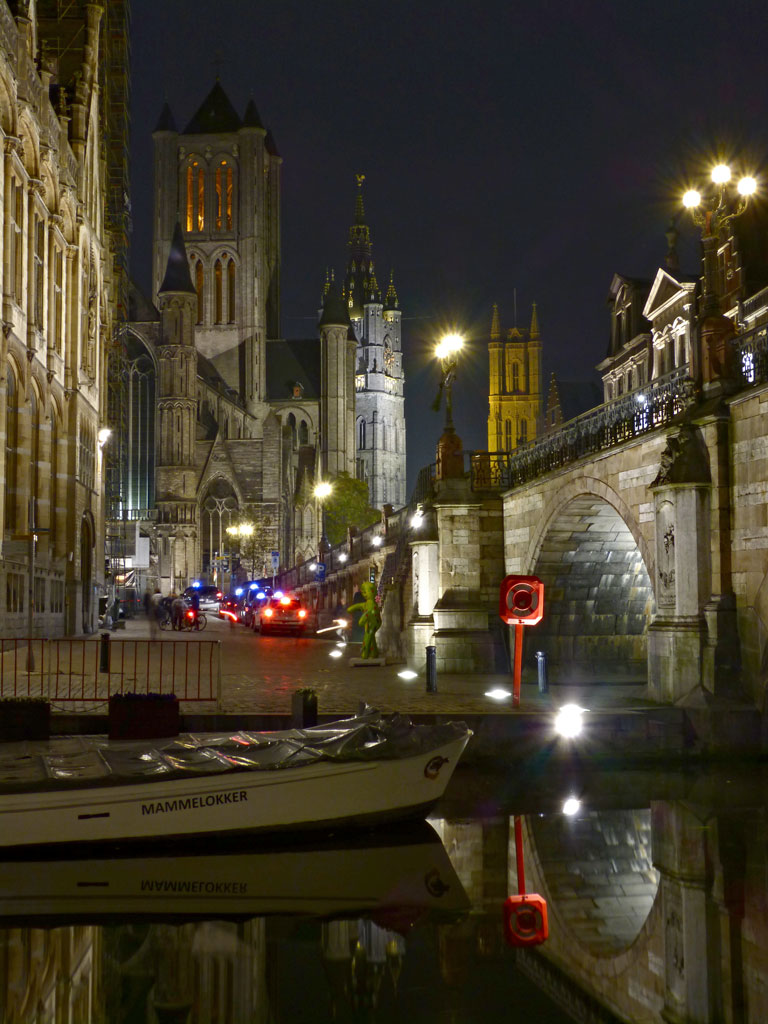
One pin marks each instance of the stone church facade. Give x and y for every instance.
(232, 425)
(61, 126)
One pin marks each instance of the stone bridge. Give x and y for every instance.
(647, 523)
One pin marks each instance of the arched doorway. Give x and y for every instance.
(599, 598)
(86, 572)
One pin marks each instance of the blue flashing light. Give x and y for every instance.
(254, 586)
(260, 596)
(239, 592)
(196, 584)
(278, 594)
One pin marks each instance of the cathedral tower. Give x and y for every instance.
(515, 388)
(220, 177)
(379, 376)
(337, 367)
(176, 475)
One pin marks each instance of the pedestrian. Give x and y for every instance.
(177, 611)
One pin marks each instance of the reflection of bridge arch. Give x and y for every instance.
(599, 875)
(592, 556)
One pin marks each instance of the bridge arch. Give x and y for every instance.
(589, 550)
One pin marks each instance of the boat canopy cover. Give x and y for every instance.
(94, 760)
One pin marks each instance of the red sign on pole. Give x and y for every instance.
(521, 603)
(525, 915)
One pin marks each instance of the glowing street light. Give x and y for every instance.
(323, 490)
(569, 721)
(447, 351)
(571, 806)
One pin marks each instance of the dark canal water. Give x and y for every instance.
(655, 885)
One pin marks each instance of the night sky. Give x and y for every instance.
(537, 148)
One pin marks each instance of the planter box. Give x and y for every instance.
(303, 710)
(143, 718)
(24, 720)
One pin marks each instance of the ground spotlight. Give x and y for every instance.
(569, 721)
(335, 653)
(498, 694)
(571, 806)
(407, 674)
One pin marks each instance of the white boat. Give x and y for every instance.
(399, 877)
(361, 770)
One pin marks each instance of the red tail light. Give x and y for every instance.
(269, 612)
(190, 615)
(302, 613)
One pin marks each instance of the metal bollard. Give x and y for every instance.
(431, 670)
(541, 665)
(104, 653)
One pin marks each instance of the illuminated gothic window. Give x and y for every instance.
(11, 448)
(195, 197)
(34, 469)
(515, 377)
(303, 432)
(199, 282)
(508, 435)
(38, 246)
(361, 434)
(231, 291)
(223, 189)
(523, 433)
(218, 288)
(57, 334)
(16, 255)
(54, 480)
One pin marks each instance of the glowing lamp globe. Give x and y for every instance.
(747, 186)
(721, 174)
(691, 199)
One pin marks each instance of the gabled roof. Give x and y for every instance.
(666, 290)
(140, 309)
(166, 122)
(293, 362)
(214, 115)
(251, 118)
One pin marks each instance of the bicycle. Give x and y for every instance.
(194, 620)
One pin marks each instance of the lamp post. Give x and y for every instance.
(242, 531)
(712, 208)
(450, 460)
(322, 491)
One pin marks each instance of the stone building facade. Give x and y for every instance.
(57, 281)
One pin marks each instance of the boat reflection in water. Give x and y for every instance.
(657, 912)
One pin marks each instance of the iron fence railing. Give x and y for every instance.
(608, 426)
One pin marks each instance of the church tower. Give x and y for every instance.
(379, 375)
(515, 387)
(337, 367)
(175, 473)
(220, 177)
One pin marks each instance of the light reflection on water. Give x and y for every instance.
(657, 910)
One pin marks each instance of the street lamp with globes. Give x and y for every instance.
(323, 490)
(450, 460)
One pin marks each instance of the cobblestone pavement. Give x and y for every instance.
(260, 674)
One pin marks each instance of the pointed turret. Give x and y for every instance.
(391, 301)
(534, 331)
(495, 328)
(166, 122)
(270, 145)
(251, 118)
(177, 277)
(334, 307)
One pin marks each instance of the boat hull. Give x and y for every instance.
(319, 795)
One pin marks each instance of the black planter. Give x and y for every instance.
(24, 720)
(143, 717)
(303, 709)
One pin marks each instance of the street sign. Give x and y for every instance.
(372, 574)
(275, 560)
(320, 571)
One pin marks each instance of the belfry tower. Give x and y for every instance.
(515, 391)
(379, 376)
(220, 177)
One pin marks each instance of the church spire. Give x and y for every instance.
(177, 277)
(360, 282)
(495, 329)
(391, 301)
(534, 332)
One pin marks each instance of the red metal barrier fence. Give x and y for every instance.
(72, 670)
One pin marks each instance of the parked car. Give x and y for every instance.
(255, 598)
(280, 614)
(209, 596)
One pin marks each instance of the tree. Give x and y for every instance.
(252, 541)
(346, 506)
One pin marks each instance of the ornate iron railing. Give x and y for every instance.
(752, 355)
(598, 430)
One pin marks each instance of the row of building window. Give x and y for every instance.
(388, 440)
(522, 434)
(214, 186)
(224, 281)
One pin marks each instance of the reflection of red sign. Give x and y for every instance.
(525, 920)
(521, 600)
